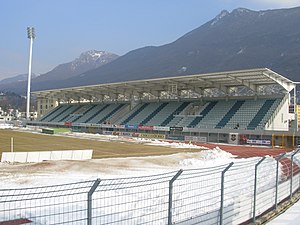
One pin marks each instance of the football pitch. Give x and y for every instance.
(28, 141)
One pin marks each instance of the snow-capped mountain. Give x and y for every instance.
(94, 57)
(219, 17)
(86, 61)
(241, 39)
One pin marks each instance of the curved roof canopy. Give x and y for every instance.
(261, 81)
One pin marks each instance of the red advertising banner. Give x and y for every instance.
(68, 124)
(141, 127)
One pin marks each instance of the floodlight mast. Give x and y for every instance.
(31, 36)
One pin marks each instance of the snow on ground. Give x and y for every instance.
(5, 125)
(20, 175)
(289, 217)
(54, 172)
(146, 141)
(170, 144)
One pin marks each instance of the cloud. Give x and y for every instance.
(279, 3)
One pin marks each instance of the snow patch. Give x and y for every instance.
(207, 158)
(219, 17)
(5, 126)
(241, 51)
(173, 144)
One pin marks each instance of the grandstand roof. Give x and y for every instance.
(227, 83)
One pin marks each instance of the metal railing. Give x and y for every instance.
(233, 193)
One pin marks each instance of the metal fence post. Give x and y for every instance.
(89, 203)
(222, 192)
(171, 195)
(255, 188)
(277, 178)
(292, 172)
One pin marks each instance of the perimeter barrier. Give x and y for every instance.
(236, 193)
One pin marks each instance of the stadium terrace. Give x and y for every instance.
(254, 107)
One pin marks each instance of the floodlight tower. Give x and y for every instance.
(31, 36)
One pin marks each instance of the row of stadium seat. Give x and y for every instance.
(231, 114)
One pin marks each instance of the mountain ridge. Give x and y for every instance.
(17, 78)
(240, 39)
(86, 61)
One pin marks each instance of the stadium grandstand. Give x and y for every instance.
(256, 107)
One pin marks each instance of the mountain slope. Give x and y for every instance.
(17, 78)
(87, 61)
(241, 39)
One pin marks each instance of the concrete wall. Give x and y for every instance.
(25, 157)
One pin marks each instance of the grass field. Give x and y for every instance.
(27, 141)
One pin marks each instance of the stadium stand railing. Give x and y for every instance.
(188, 115)
(134, 112)
(214, 116)
(203, 113)
(125, 110)
(245, 114)
(171, 116)
(45, 117)
(78, 113)
(276, 110)
(108, 115)
(64, 113)
(54, 113)
(268, 115)
(150, 109)
(230, 114)
(154, 113)
(87, 114)
(98, 110)
(68, 113)
(260, 114)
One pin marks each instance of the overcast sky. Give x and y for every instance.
(66, 28)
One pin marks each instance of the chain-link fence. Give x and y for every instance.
(234, 193)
